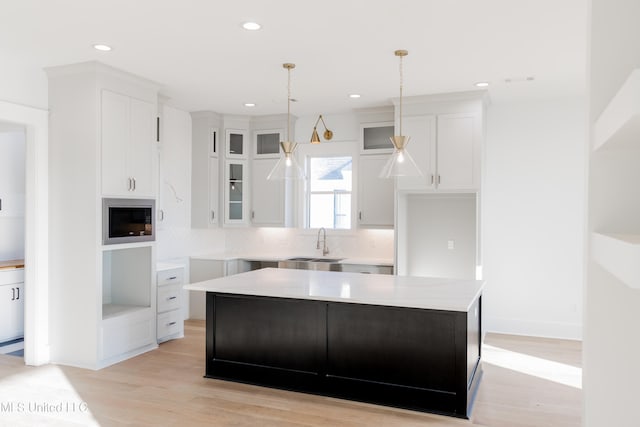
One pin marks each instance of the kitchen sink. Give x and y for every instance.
(303, 263)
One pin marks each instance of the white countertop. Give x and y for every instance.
(375, 289)
(276, 258)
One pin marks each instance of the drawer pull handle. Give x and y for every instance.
(170, 298)
(172, 278)
(171, 324)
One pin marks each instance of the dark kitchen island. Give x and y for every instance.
(409, 342)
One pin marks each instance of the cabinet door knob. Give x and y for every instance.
(431, 179)
(360, 215)
(13, 294)
(130, 186)
(18, 292)
(253, 214)
(438, 179)
(171, 323)
(134, 184)
(213, 215)
(170, 298)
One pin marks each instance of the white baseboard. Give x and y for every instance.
(570, 331)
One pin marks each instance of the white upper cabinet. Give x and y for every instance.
(175, 168)
(214, 192)
(446, 148)
(236, 192)
(128, 146)
(375, 194)
(375, 137)
(267, 197)
(205, 169)
(422, 147)
(266, 143)
(237, 143)
(458, 151)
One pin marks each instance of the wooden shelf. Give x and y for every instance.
(619, 124)
(619, 254)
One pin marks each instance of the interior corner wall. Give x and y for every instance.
(533, 217)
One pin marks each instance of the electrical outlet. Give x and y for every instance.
(451, 245)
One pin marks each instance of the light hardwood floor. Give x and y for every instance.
(527, 382)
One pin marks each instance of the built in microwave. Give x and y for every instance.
(128, 220)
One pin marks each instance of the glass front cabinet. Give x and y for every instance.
(235, 192)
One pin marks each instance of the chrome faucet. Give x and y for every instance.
(325, 249)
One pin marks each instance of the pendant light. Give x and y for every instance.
(287, 167)
(400, 163)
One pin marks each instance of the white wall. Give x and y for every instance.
(23, 83)
(432, 221)
(12, 194)
(612, 315)
(533, 217)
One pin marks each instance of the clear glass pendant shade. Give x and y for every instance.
(400, 163)
(287, 166)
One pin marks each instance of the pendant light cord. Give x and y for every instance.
(401, 84)
(288, 103)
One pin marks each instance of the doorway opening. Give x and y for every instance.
(12, 238)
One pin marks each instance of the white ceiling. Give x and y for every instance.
(198, 52)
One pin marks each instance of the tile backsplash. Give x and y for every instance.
(180, 242)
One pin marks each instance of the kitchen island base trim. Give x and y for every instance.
(419, 359)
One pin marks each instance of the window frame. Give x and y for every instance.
(327, 149)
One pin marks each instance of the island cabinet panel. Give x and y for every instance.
(392, 345)
(421, 359)
(264, 340)
(411, 358)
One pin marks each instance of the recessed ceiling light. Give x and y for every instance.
(251, 26)
(249, 104)
(102, 47)
(482, 84)
(354, 96)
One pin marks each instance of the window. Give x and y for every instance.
(329, 201)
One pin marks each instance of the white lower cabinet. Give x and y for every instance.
(170, 323)
(11, 304)
(127, 332)
(205, 268)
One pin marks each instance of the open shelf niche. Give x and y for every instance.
(619, 124)
(126, 281)
(615, 171)
(619, 254)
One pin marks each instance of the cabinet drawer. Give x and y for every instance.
(170, 277)
(169, 323)
(169, 297)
